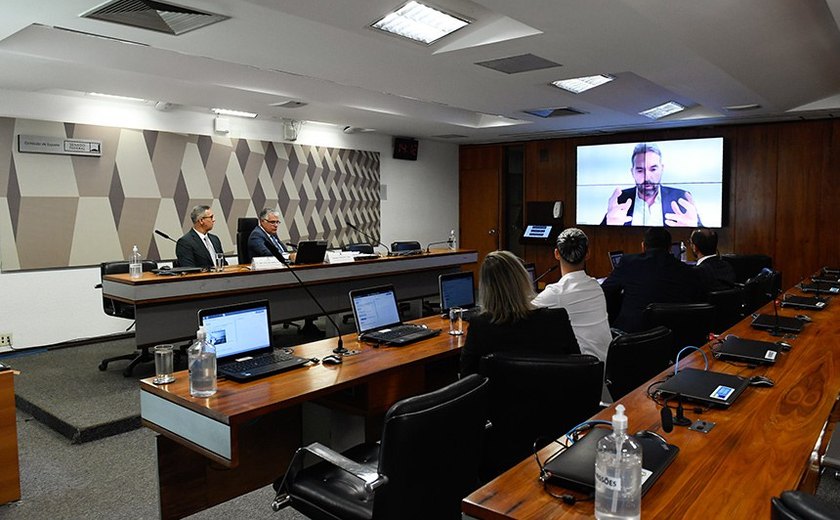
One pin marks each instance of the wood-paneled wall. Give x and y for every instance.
(782, 193)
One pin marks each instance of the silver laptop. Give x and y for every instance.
(378, 319)
(457, 290)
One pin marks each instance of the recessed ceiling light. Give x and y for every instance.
(114, 96)
(582, 84)
(235, 113)
(420, 23)
(665, 109)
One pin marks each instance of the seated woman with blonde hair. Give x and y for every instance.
(508, 320)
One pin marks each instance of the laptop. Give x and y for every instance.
(175, 271)
(750, 351)
(615, 258)
(241, 334)
(457, 290)
(378, 318)
(820, 287)
(532, 272)
(813, 303)
(676, 250)
(706, 387)
(311, 252)
(574, 468)
(772, 322)
(830, 279)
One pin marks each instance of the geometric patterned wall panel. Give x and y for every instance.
(60, 211)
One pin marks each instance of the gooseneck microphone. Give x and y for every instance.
(775, 332)
(439, 242)
(550, 270)
(339, 349)
(370, 237)
(164, 235)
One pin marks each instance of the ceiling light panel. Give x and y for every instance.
(234, 113)
(582, 84)
(665, 109)
(420, 23)
(114, 96)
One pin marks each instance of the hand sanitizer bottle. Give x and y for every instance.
(201, 360)
(135, 263)
(452, 241)
(618, 473)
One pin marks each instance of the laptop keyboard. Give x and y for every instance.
(278, 357)
(399, 332)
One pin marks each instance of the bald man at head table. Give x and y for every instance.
(198, 247)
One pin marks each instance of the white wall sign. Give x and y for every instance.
(59, 145)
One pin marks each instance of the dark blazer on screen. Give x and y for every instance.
(191, 251)
(544, 330)
(668, 195)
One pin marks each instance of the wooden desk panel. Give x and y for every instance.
(266, 413)
(9, 467)
(759, 447)
(166, 306)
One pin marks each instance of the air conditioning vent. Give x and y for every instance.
(554, 112)
(154, 16)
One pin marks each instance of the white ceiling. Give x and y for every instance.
(781, 54)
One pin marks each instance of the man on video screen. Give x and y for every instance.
(650, 203)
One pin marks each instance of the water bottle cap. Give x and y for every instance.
(619, 420)
(201, 333)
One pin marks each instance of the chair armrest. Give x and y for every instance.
(364, 472)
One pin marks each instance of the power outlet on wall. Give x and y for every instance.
(5, 339)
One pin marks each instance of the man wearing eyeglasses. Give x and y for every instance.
(198, 247)
(265, 234)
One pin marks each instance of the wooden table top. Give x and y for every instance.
(237, 402)
(759, 447)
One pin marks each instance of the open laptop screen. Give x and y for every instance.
(456, 290)
(375, 308)
(615, 258)
(236, 329)
(532, 273)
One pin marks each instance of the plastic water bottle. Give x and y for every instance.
(135, 263)
(201, 360)
(683, 253)
(618, 473)
(452, 241)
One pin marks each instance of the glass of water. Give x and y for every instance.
(456, 321)
(164, 364)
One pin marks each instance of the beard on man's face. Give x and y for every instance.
(647, 188)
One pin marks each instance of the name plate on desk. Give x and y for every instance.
(263, 263)
(340, 257)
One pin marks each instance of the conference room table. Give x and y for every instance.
(242, 438)
(768, 441)
(166, 306)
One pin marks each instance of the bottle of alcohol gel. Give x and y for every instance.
(201, 360)
(135, 263)
(618, 473)
(453, 241)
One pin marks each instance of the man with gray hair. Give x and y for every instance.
(265, 235)
(579, 294)
(198, 247)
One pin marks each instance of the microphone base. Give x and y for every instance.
(682, 421)
(346, 352)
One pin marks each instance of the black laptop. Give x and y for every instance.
(831, 279)
(750, 351)
(311, 252)
(378, 319)
(615, 258)
(704, 386)
(820, 288)
(175, 271)
(241, 334)
(813, 303)
(772, 322)
(457, 290)
(574, 468)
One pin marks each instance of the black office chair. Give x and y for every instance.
(120, 309)
(798, 505)
(747, 266)
(729, 308)
(761, 289)
(244, 226)
(426, 462)
(691, 323)
(360, 247)
(634, 358)
(534, 399)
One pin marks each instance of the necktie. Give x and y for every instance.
(209, 246)
(277, 243)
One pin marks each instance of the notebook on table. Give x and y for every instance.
(804, 302)
(745, 350)
(574, 468)
(378, 319)
(457, 290)
(704, 386)
(241, 334)
(311, 252)
(772, 322)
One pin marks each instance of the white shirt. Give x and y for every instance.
(584, 300)
(644, 215)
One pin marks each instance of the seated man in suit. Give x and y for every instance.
(717, 274)
(653, 276)
(579, 294)
(264, 237)
(198, 247)
(650, 203)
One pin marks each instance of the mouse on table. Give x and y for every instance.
(761, 381)
(332, 359)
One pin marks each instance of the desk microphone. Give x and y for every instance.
(775, 331)
(339, 349)
(370, 237)
(164, 235)
(448, 241)
(550, 270)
